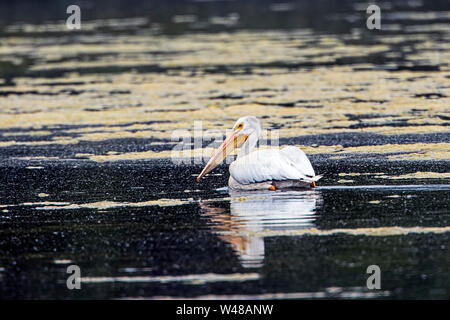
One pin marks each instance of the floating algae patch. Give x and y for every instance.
(394, 148)
(91, 25)
(27, 133)
(64, 141)
(436, 150)
(149, 155)
(372, 232)
(62, 261)
(194, 279)
(413, 151)
(195, 77)
(37, 158)
(43, 203)
(355, 174)
(352, 174)
(100, 205)
(423, 155)
(417, 175)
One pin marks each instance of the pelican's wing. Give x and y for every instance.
(299, 159)
(289, 163)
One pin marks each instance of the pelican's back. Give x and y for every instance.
(289, 163)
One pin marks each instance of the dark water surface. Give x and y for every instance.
(297, 244)
(86, 133)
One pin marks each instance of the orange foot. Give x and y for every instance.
(272, 187)
(313, 184)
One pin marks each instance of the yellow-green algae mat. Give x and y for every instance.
(293, 101)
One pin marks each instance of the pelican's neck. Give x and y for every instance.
(248, 145)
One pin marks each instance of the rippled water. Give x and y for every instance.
(212, 244)
(89, 119)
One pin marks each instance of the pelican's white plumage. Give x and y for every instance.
(289, 163)
(261, 169)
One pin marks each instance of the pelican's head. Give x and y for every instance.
(242, 129)
(247, 125)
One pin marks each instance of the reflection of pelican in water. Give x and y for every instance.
(252, 214)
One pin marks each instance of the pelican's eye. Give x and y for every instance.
(240, 126)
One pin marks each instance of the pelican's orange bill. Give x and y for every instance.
(232, 142)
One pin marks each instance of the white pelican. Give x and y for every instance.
(267, 169)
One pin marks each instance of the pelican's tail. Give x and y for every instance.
(312, 179)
